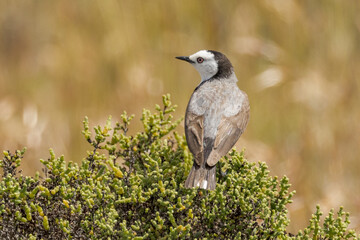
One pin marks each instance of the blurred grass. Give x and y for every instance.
(299, 62)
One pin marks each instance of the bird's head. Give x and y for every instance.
(210, 64)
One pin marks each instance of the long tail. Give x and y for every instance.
(204, 178)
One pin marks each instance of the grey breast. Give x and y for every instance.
(216, 116)
(215, 100)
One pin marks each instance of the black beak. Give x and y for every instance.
(185, 59)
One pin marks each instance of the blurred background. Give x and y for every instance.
(299, 62)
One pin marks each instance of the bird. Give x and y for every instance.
(216, 116)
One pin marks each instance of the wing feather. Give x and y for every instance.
(228, 132)
(194, 129)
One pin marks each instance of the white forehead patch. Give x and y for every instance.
(208, 68)
(202, 53)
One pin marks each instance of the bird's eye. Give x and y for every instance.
(199, 59)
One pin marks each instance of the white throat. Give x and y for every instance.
(207, 71)
(208, 68)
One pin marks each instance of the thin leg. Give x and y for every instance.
(222, 174)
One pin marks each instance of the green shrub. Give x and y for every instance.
(131, 187)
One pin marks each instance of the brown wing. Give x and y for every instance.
(229, 131)
(194, 125)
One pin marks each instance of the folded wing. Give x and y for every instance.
(194, 129)
(228, 132)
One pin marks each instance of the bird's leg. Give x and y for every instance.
(222, 174)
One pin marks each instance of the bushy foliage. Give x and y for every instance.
(131, 187)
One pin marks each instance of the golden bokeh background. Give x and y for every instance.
(299, 62)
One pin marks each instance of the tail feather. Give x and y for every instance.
(204, 178)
